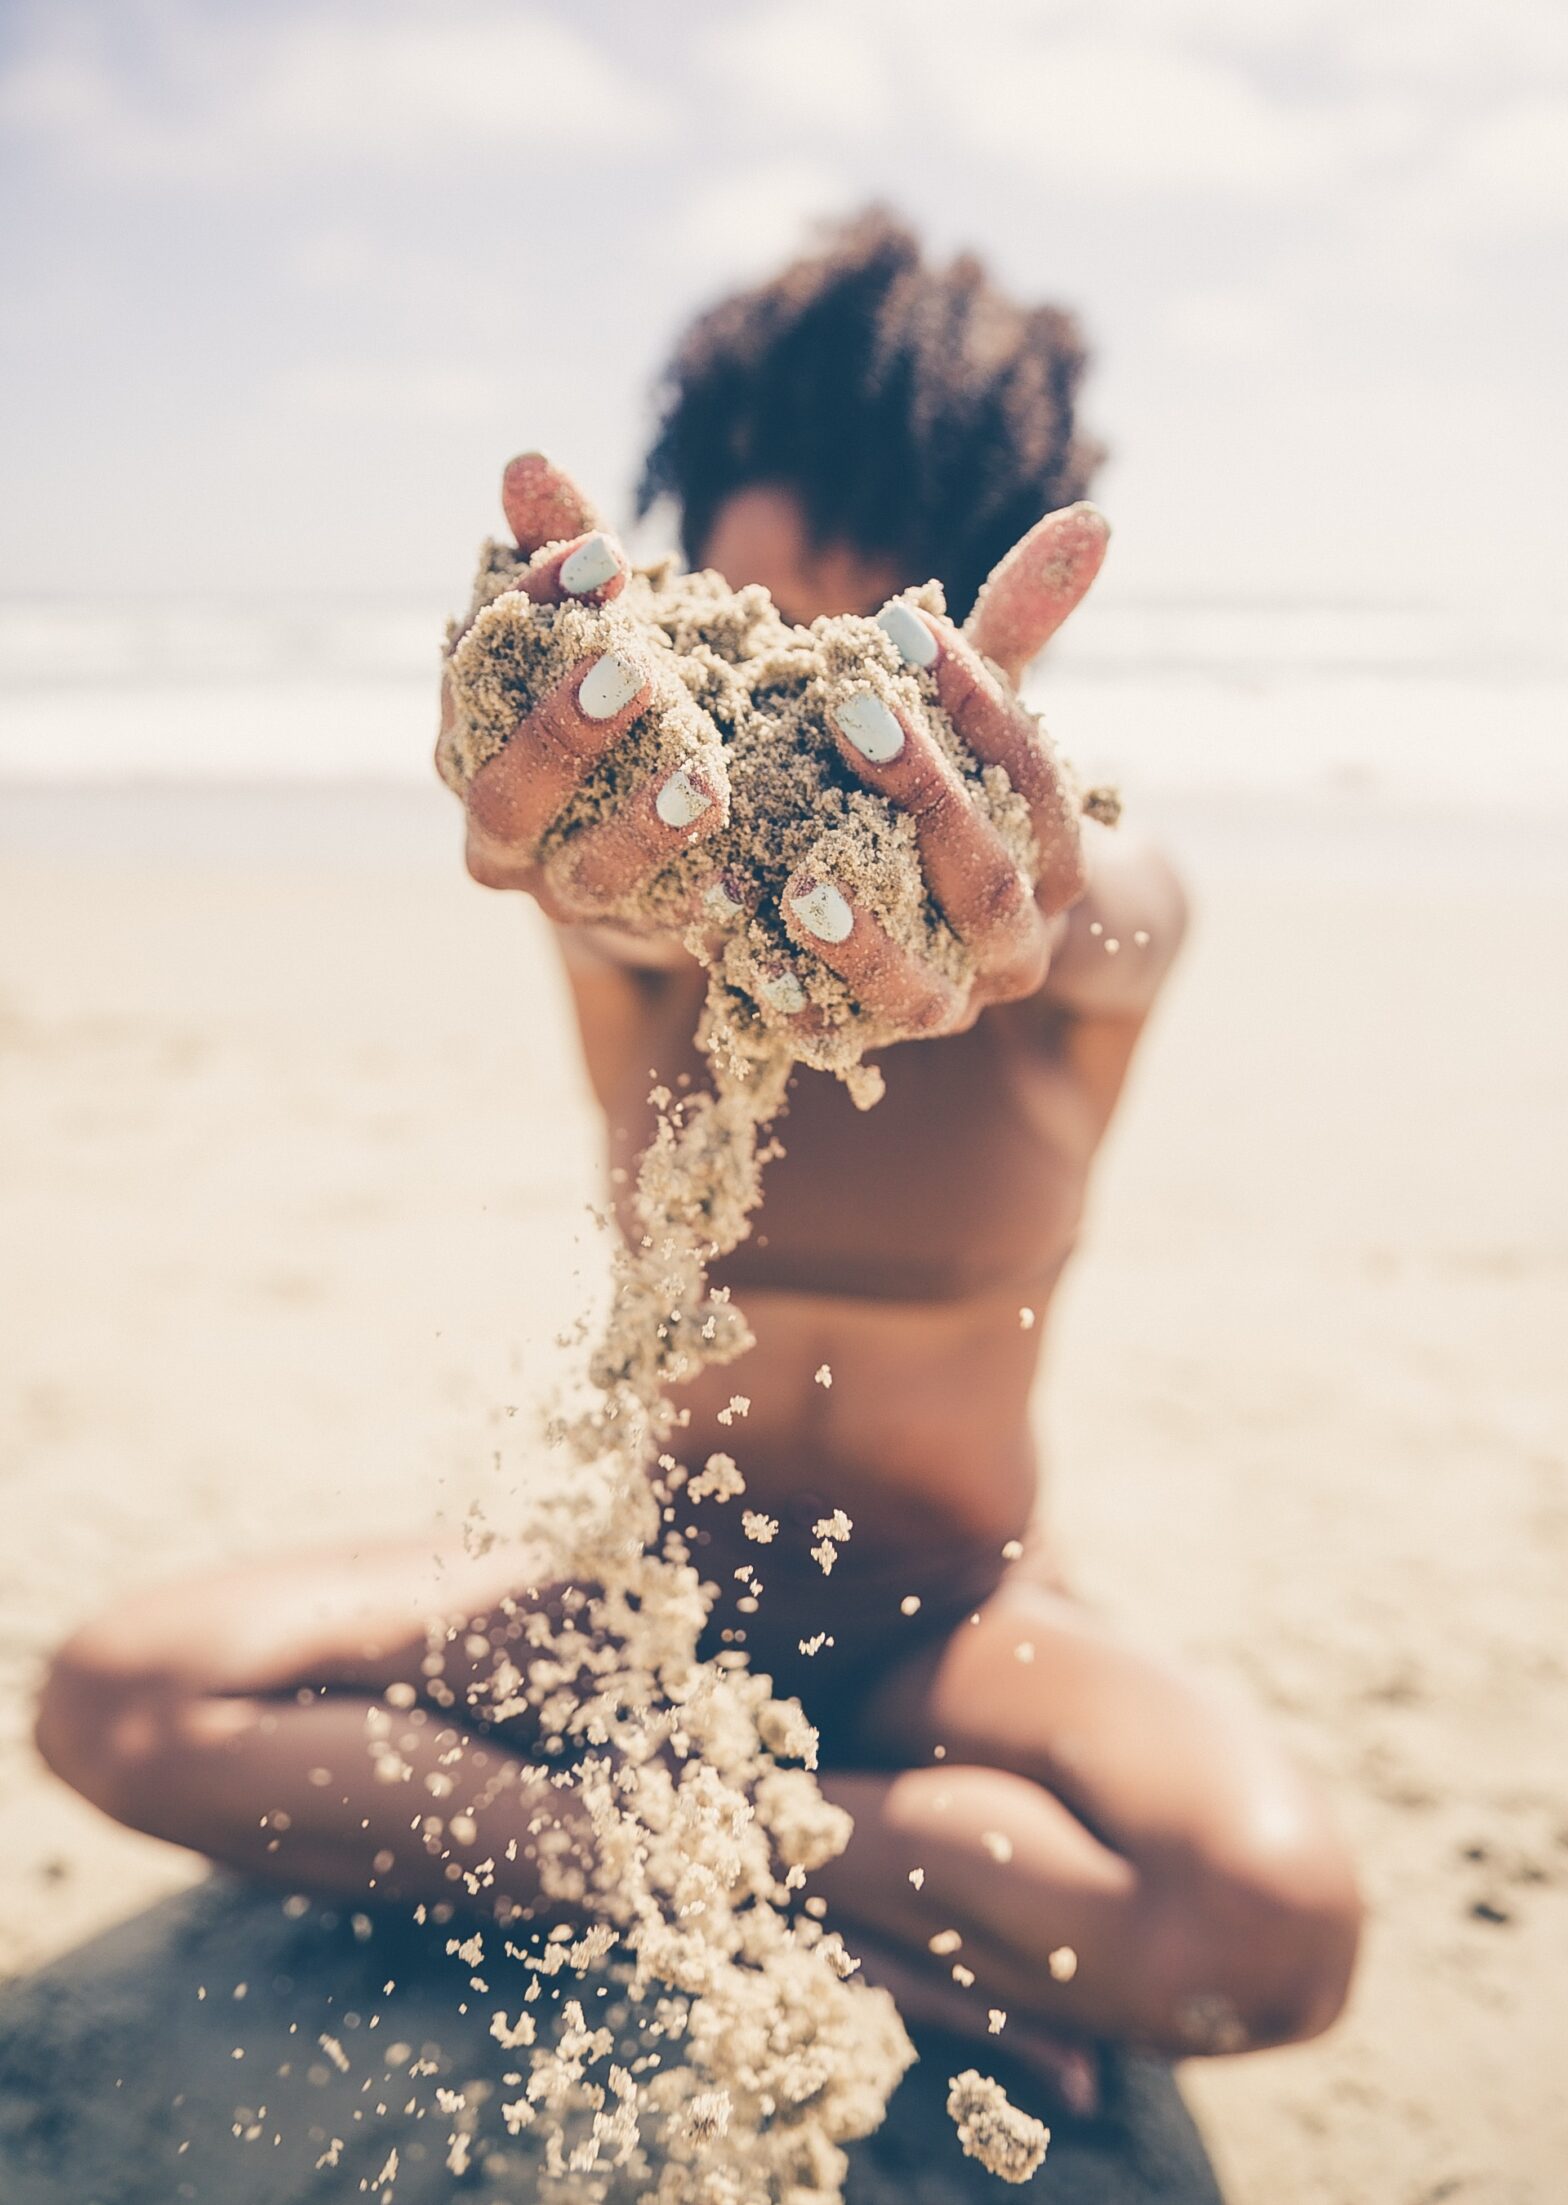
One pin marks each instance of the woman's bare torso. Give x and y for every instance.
(897, 1277)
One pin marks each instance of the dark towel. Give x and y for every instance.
(119, 2083)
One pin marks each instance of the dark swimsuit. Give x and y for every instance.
(853, 1616)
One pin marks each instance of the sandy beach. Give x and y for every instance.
(294, 1164)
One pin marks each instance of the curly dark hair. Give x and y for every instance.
(918, 413)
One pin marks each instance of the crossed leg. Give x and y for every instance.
(1086, 1796)
(1091, 1798)
(280, 1719)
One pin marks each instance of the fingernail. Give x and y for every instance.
(822, 911)
(870, 726)
(908, 633)
(680, 801)
(783, 991)
(609, 685)
(589, 567)
(721, 900)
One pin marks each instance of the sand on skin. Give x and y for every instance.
(1307, 1403)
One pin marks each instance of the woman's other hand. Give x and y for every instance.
(515, 796)
(1008, 928)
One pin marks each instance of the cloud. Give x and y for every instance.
(1187, 96)
(1290, 103)
(1202, 99)
(342, 256)
(1512, 167)
(382, 391)
(1237, 328)
(1462, 47)
(801, 65)
(1467, 47)
(219, 98)
(740, 227)
(1114, 114)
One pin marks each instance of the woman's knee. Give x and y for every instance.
(106, 1713)
(124, 1688)
(1257, 1931)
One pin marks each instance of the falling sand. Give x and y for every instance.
(1007, 2142)
(683, 1817)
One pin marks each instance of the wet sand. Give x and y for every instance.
(1306, 1404)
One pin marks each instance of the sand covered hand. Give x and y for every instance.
(544, 631)
(998, 908)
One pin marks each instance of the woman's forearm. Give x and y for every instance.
(620, 987)
(1120, 939)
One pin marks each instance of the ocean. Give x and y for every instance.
(1406, 703)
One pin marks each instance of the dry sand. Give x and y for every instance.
(1307, 1397)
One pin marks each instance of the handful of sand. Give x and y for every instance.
(732, 678)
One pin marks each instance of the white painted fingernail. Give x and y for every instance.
(680, 801)
(590, 566)
(822, 911)
(908, 633)
(609, 685)
(721, 901)
(870, 726)
(783, 991)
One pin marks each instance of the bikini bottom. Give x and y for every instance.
(828, 1638)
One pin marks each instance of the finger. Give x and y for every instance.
(1000, 732)
(495, 865)
(968, 870)
(541, 504)
(446, 765)
(606, 862)
(782, 991)
(716, 905)
(719, 901)
(589, 570)
(1028, 595)
(515, 795)
(886, 979)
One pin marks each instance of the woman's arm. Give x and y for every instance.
(622, 986)
(1113, 949)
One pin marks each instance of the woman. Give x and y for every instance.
(1127, 1853)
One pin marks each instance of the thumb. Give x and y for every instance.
(1030, 592)
(543, 505)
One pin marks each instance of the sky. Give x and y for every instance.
(281, 287)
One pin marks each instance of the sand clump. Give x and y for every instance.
(683, 1815)
(991, 2129)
